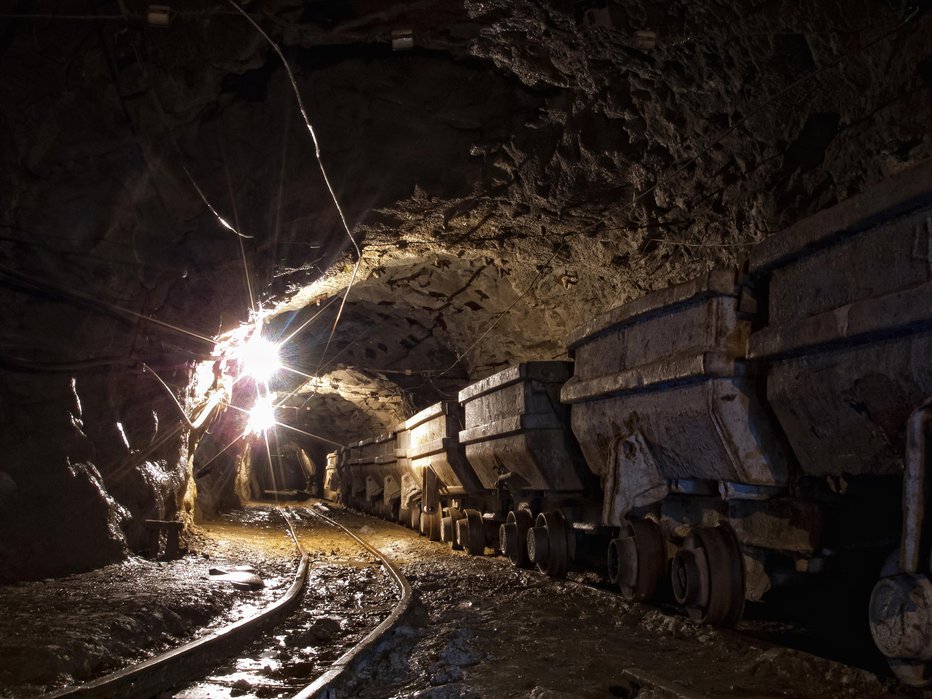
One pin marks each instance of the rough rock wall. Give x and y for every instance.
(622, 169)
(95, 266)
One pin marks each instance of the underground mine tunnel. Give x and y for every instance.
(254, 256)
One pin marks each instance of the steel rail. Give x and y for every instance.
(322, 687)
(187, 662)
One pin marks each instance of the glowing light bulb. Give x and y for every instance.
(259, 358)
(261, 416)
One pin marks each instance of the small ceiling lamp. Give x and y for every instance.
(402, 40)
(262, 416)
(159, 15)
(258, 357)
(645, 39)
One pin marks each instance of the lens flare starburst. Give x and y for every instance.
(258, 358)
(261, 417)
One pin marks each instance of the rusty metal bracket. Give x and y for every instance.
(917, 489)
(633, 478)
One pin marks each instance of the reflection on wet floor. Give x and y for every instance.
(479, 626)
(347, 594)
(61, 631)
(56, 632)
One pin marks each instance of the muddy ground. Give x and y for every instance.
(347, 594)
(61, 631)
(478, 627)
(482, 628)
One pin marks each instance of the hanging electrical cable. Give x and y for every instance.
(320, 163)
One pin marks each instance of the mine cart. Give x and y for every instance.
(447, 483)
(332, 477)
(354, 468)
(344, 478)
(847, 340)
(670, 420)
(310, 471)
(371, 468)
(518, 440)
(390, 466)
(409, 487)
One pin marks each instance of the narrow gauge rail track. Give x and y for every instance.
(334, 610)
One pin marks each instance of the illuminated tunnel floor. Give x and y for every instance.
(478, 627)
(60, 631)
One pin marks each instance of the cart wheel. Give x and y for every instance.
(708, 576)
(512, 537)
(432, 524)
(448, 527)
(548, 545)
(474, 529)
(637, 559)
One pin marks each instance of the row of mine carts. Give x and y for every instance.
(722, 437)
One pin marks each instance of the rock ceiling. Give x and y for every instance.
(523, 167)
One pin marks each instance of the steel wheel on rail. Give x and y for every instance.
(415, 517)
(470, 531)
(708, 576)
(448, 528)
(512, 537)
(637, 559)
(548, 544)
(422, 527)
(430, 522)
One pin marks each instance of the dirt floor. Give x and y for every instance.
(478, 628)
(57, 632)
(347, 594)
(483, 628)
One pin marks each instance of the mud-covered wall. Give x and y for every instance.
(524, 167)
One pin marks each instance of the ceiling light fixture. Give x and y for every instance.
(258, 357)
(261, 416)
(159, 15)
